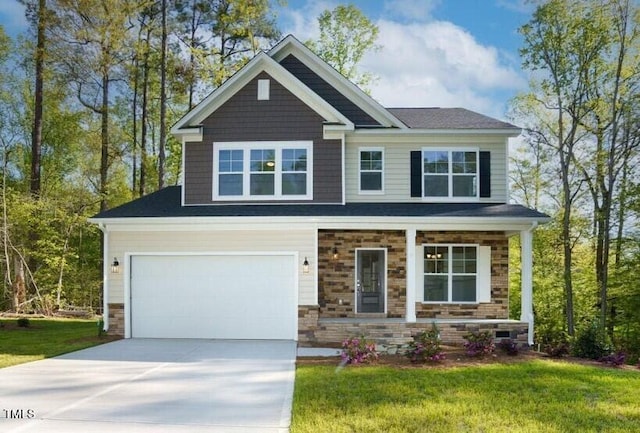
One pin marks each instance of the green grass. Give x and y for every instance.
(45, 338)
(530, 396)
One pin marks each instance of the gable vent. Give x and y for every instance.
(263, 90)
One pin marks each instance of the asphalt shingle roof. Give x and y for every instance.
(166, 203)
(447, 118)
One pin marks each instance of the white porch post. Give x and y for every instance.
(526, 276)
(411, 275)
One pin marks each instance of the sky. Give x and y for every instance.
(435, 53)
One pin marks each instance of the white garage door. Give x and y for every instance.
(214, 296)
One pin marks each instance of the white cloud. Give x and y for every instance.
(437, 64)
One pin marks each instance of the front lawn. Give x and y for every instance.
(45, 338)
(530, 396)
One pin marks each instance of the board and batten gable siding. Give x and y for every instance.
(397, 164)
(283, 117)
(327, 92)
(214, 241)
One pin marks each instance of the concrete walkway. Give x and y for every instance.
(150, 385)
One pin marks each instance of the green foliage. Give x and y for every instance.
(591, 341)
(426, 346)
(346, 35)
(479, 343)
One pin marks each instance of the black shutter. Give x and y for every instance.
(485, 174)
(416, 173)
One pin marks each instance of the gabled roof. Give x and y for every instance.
(261, 62)
(447, 118)
(166, 204)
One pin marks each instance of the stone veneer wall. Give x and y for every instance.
(398, 333)
(336, 278)
(499, 306)
(116, 320)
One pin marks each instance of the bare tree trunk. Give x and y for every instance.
(163, 97)
(104, 131)
(19, 287)
(36, 133)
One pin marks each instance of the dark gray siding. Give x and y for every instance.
(244, 118)
(350, 110)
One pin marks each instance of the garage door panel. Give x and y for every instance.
(216, 296)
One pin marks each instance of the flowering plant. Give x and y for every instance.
(426, 346)
(358, 351)
(479, 343)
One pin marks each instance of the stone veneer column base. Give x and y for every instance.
(307, 324)
(116, 320)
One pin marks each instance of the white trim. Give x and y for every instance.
(450, 274)
(450, 175)
(278, 147)
(483, 272)
(290, 45)
(127, 276)
(264, 90)
(105, 277)
(182, 186)
(355, 277)
(411, 266)
(343, 153)
(526, 279)
(370, 149)
(415, 131)
(260, 63)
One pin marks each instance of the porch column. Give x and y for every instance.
(411, 275)
(526, 280)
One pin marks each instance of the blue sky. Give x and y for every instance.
(446, 53)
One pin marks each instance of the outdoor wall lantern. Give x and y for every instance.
(336, 256)
(115, 266)
(305, 266)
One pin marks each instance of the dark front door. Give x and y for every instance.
(370, 281)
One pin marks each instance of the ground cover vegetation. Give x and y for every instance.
(24, 340)
(88, 93)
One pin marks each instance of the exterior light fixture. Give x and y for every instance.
(335, 254)
(115, 266)
(305, 266)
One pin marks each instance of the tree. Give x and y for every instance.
(346, 35)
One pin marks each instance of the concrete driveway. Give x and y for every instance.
(150, 385)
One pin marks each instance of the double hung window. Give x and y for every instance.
(263, 170)
(371, 170)
(450, 273)
(450, 173)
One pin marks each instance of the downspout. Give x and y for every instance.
(105, 278)
(527, 316)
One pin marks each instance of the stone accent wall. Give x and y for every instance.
(307, 324)
(499, 306)
(336, 278)
(116, 320)
(398, 333)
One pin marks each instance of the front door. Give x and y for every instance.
(370, 281)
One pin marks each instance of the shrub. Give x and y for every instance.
(509, 346)
(358, 351)
(23, 322)
(479, 343)
(426, 346)
(614, 359)
(591, 342)
(557, 349)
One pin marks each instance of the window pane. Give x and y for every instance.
(294, 184)
(230, 184)
(464, 288)
(371, 181)
(436, 162)
(294, 160)
(436, 186)
(436, 260)
(263, 160)
(262, 184)
(464, 186)
(230, 161)
(435, 288)
(463, 162)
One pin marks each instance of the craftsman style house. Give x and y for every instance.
(309, 212)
